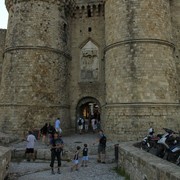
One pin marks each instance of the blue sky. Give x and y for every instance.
(3, 15)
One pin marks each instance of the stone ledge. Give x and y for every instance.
(141, 165)
(5, 158)
(45, 153)
(5, 139)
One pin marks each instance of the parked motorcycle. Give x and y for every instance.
(168, 145)
(149, 141)
(173, 153)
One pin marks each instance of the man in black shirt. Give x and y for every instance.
(56, 149)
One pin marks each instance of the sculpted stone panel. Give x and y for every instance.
(89, 62)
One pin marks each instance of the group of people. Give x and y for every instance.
(84, 124)
(49, 130)
(57, 145)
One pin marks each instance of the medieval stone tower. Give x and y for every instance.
(117, 60)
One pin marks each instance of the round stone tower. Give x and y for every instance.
(34, 87)
(140, 69)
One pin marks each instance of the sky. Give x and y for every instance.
(3, 15)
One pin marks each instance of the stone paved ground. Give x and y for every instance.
(40, 169)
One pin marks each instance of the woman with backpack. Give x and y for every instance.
(80, 123)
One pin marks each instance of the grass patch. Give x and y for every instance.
(122, 172)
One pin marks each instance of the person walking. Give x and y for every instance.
(85, 156)
(57, 125)
(56, 149)
(44, 131)
(76, 159)
(80, 123)
(86, 124)
(93, 124)
(31, 139)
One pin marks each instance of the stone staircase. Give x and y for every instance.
(70, 143)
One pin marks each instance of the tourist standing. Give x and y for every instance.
(50, 130)
(44, 131)
(80, 123)
(76, 159)
(86, 124)
(85, 156)
(93, 124)
(57, 126)
(31, 139)
(101, 147)
(56, 149)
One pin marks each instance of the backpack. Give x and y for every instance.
(80, 122)
(103, 140)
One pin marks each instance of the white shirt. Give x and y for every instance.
(31, 140)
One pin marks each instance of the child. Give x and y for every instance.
(76, 159)
(85, 156)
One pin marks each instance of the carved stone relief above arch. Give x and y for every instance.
(89, 62)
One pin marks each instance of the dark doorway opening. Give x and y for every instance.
(89, 109)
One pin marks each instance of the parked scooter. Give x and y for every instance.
(166, 142)
(173, 153)
(150, 141)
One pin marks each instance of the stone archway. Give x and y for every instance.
(88, 107)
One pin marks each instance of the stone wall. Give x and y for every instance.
(140, 67)
(87, 32)
(122, 55)
(5, 158)
(139, 51)
(2, 45)
(175, 13)
(128, 122)
(35, 82)
(141, 165)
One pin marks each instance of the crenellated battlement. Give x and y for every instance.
(89, 9)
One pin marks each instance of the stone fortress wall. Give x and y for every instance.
(122, 54)
(2, 44)
(140, 52)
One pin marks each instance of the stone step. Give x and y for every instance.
(44, 152)
(6, 139)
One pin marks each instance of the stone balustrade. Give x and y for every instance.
(141, 165)
(5, 158)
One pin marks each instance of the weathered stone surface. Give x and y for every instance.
(121, 55)
(5, 158)
(141, 165)
(6, 139)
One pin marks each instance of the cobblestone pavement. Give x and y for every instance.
(40, 169)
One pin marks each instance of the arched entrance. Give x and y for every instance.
(88, 108)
